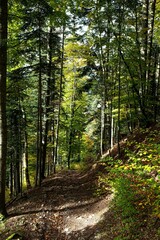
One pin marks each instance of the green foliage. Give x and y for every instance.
(78, 166)
(124, 197)
(103, 186)
(136, 201)
(136, 183)
(2, 223)
(1, 217)
(7, 194)
(110, 161)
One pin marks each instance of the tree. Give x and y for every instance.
(3, 126)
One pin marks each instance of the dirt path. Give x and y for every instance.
(65, 207)
(85, 217)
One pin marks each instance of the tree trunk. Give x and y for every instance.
(104, 57)
(60, 98)
(26, 157)
(71, 134)
(39, 123)
(11, 185)
(48, 104)
(152, 63)
(17, 173)
(119, 78)
(3, 123)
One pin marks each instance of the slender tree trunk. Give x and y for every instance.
(52, 127)
(104, 57)
(17, 173)
(152, 62)
(70, 138)
(140, 65)
(39, 124)
(150, 71)
(112, 124)
(102, 126)
(69, 149)
(103, 76)
(26, 157)
(154, 85)
(3, 123)
(11, 178)
(119, 78)
(157, 110)
(119, 106)
(60, 97)
(48, 104)
(146, 29)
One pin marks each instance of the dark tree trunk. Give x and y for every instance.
(71, 134)
(3, 124)
(70, 140)
(26, 157)
(17, 173)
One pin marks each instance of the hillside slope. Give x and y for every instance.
(135, 177)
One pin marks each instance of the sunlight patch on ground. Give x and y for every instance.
(86, 217)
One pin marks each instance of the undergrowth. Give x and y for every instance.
(136, 185)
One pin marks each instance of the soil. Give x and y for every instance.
(66, 206)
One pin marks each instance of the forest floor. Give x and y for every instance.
(66, 206)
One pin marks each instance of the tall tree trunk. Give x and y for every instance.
(104, 76)
(146, 30)
(50, 87)
(111, 117)
(104, 56)
(60, 98)
(39, 123)
(17, 172)
(120, 16)
(3, 123)
(70, 140)
(145, 40)
(11, 177)
(119, 105)
(70, 137)
(26, 157)
(152, 62)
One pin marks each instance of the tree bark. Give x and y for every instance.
(26, 157)
(60, 98)
(50, 87)
(3, 123)
(39, 123)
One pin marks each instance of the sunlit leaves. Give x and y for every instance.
(135, 178)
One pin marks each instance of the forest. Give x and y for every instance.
(79, 78)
